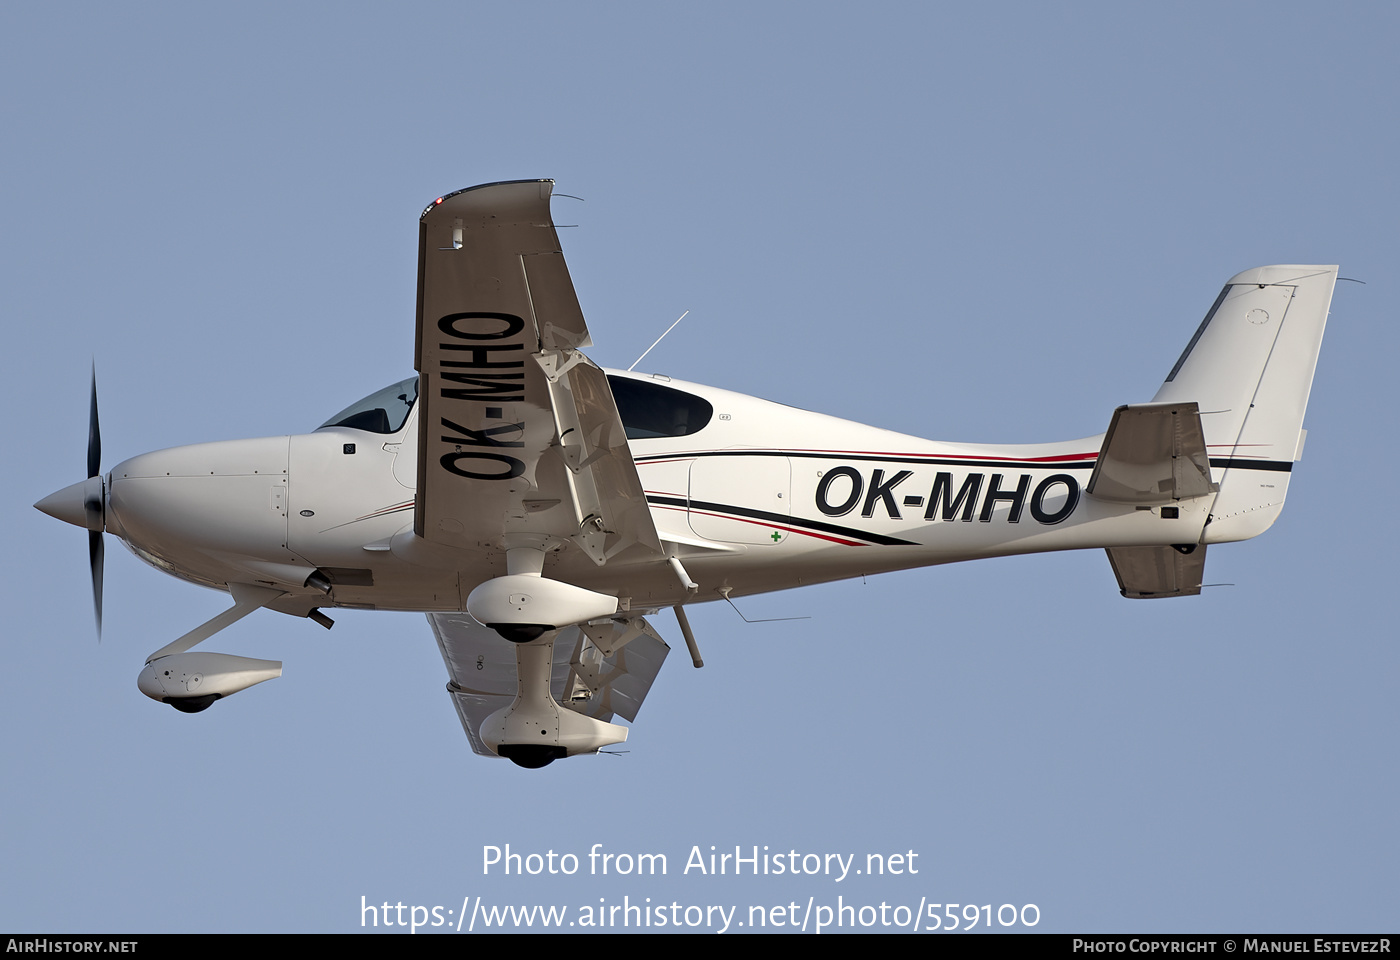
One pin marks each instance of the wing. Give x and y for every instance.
(600, 670)
(518, 431)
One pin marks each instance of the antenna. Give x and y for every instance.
(658, 340)
(725, 591)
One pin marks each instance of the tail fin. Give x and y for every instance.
(1250, 368)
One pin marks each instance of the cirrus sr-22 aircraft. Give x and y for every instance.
(539, 509)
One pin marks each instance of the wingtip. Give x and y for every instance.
(546, 184)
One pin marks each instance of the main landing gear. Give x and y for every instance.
(528, 609)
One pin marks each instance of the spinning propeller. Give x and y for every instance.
(95, 505)
(85, 505)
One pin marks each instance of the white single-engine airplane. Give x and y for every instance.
(538, 508)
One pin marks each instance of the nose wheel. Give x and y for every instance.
(192, 682)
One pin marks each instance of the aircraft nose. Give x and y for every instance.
(79, 504)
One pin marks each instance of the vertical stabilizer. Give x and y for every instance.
(1250, 368)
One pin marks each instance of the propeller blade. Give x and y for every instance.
(96, 551)
(94, 456)
(95, 554)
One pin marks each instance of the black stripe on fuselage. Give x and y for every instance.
(1241, 463)
(782, 519)
(1282, 466)
(881, 458)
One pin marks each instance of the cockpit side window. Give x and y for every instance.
(382, 412)
(650, 410)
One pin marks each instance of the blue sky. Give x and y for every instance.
(971, 224)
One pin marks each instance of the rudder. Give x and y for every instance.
(1250, 369)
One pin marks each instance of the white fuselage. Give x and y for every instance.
(763, 497)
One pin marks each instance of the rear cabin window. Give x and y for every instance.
(650, 410)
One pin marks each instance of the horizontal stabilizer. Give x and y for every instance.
(1146, 573)
(1153, 453)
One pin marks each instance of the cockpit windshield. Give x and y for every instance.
(382, 412)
